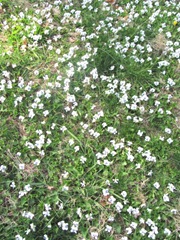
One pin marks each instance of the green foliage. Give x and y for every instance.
(89, 140)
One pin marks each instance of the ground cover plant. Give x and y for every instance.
(89, 119)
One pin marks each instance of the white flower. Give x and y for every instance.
(154, 229)
(2, 99)
(167, 231)
(105, 192)
(83, 184)
(33, 227)
(124, 194)
(36, 72)
(18, 237)
(129, 230)
(174, 211)
(119, 207)
(49, 141)
(74, 113)
(28, 215)
(170, 82)
(112, 130)
(169, 140)
(74, 227)
(156, 185)
(166, 198)
(3, 168)
(79, 213)
(111, 199)
(108, 182)
(94, 235)
(83, 159)
(13, 185)
(28, 231)
(53, 125)
(111, 219)
(150, 173)
(45, 113)
(171, 187)
(161, 138)
(65, 188)
(21, 166)
(76, 148)
(133, 225)
(63, 225)
(124, 238)
(141, 220)
(37, 162)
(115, 180)
(138, 165)
(65, 174)
(31, 113)
(63, 128)
(167, 130)
(45, 237)
(107, 163)
(89, 216)
(143, 231)
(22, 193)
(130, 157)
(149, 222)
(151, 235)
(140, 133)
(27, 188)
(108, 228)
(147, 138)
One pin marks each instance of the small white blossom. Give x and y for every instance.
(13, 185)
(22, 166)
(63, 128)
(74, 227)
(167, 130)
(37, 162)
(27, 188)
(94, 235)
(63, 225)
(133, 225)
(108, 228)
(119, 207)
(124, 194)
(167, 231)
(147, 138)
(28, 215)
(105, 192)
(171, 187)
(166, 198)
(111, 200)
(45, 237)
(128, 230)
(89, 217)
(18, 237)
(156, 185)
(174, 211)
(65, 188)
(169, 140)
(3, 168)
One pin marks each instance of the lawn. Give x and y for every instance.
(89, 120)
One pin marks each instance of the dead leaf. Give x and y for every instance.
(123, 19)
(111, 1)
(104, 200)
(50, 188)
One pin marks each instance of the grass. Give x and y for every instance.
(89, 140)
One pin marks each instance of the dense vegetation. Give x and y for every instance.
(89, 121)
